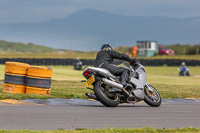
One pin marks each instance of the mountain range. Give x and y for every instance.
(88, 29)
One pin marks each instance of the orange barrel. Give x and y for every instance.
(16, 68)
(38, 90)
(13, 88)
(39, 71)
(38, 80)
(15, 75)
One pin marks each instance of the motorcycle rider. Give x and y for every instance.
(184, 70)
(104, 59)
(77, 64)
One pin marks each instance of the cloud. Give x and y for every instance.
(33, 10)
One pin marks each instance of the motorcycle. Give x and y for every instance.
(184, 71)
(108, 90)
(78, 65)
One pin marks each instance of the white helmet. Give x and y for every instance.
(183, 63)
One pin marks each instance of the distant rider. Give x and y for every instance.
(184, 70)
(104, 59)
(77, 64)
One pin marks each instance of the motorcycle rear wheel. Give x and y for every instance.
(152, 97)
(104, 96)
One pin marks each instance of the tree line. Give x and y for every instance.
(186, 49)
(21, 47)
(179, 49)
(6, 46)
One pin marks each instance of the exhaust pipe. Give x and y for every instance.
(114, 85)
(91, 96)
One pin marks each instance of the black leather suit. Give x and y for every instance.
(104, 59)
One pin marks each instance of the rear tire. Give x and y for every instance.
(152, 98)
(106, 98)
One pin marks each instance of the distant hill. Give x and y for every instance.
(8, 47)
(89, 29)
(21, 47)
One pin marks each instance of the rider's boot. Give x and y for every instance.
(124, 78)
(124, 83)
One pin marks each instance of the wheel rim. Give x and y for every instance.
(152, 93)
(111, 95)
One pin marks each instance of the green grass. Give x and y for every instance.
(66, 83)
(57, 55)
(170, 85)
(110, 130)
(84, 55)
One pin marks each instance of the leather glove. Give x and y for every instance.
(132, 61)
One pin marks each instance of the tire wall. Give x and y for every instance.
(169, 62)
(24, 78)
(145, 62)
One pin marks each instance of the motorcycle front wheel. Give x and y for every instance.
(152, 97)
(109, 99)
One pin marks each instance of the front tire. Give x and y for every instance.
(104, 96)
(152, 97)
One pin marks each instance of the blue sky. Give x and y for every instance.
(17, 11)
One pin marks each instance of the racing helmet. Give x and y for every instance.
(106, 47)
(183, 64)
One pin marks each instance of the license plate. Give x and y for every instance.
(90, 81)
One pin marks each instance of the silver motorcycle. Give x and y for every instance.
(108, 90)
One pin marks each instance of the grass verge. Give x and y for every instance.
(66, 83)
(85, 55)
(111, 130)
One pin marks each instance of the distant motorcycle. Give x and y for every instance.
(78, 65)
(108, 90)
(184, 71)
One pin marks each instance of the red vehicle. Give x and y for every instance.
(165, 51)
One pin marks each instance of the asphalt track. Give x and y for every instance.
(55, 114)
